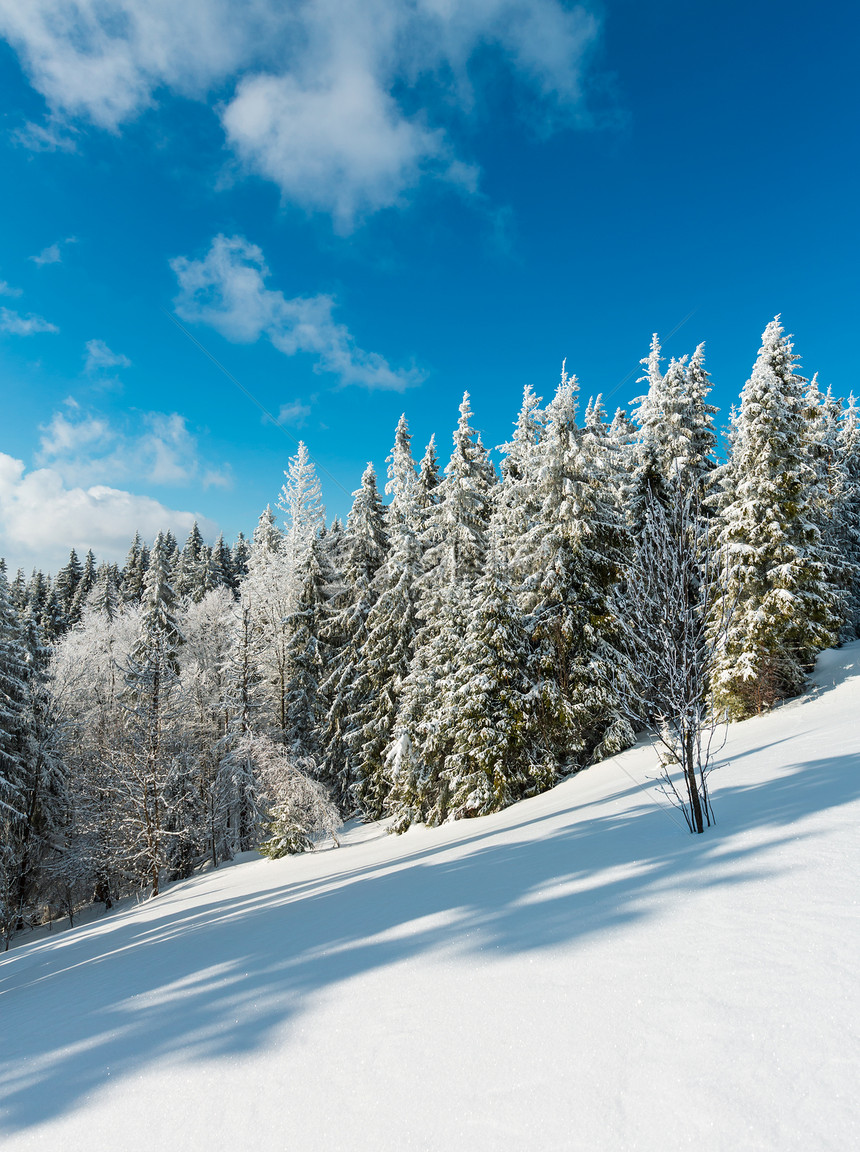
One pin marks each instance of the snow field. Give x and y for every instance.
(576, 972)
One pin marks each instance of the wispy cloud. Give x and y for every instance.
(41, 516)
(99, 356)
(49, 255)
(295, 413)
(8, 290)
(24, 325)
(53, 254)
(154, 447)
(53, 136)
(227, 290)
(320, 95)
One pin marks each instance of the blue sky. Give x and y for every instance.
(362, 207)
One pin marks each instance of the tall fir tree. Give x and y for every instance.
(390, 631)
(487, 703)
(578, 544)
(457, 532)
(84, 587)
(772, 568)
(366, 545)
(134, 572)
(153, 788)
(848, 520)
(188, 574)
(515, 504)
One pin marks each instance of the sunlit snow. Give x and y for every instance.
(574, 972)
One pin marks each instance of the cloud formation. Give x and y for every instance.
(8, 290)
(295, 413)
(49, 255)
(344, 104)
(17, 324)
(157, 448)
(41, 518)
(100, 356)
(227, 290)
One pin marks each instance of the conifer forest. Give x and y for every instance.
(469, 636)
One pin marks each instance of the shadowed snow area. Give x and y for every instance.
(575, 972)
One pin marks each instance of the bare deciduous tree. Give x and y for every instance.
(679, 618)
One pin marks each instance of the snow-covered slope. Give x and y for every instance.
(577, 972)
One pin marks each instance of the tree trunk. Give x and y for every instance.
(692, 785)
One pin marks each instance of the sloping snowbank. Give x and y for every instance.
(577, 972)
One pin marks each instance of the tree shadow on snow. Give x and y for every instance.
(213, 979)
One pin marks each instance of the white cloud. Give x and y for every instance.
(316, 93)
(49, 137)
(53, 253)
(8, 290)
(64, 437)
(49, 255)
(29, 325)
(342, 145)
(100, 356)
(86, 448)
(41, 518)
(227, 291)
(295, 413)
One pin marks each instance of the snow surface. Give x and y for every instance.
(577, 972)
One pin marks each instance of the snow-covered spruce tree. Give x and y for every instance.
(38, 595)
(18, 593)
(647, 412)
(222, 565)
(366, 545)
(84, 587)
(104, 597)
(65, 586)
(44, 800)
(658, 436)
(622, 437)
(416, 758)
(453, 549)
(515, 505)
(268, 593)
(773, 573)
(486, 704)
(188, 574)
(829, 495)
(675, 438)
(428, 478)
(578, 546)
(848, 519)
(276, 579)
(153, 790)
(456, 537)
(646, 484)
(134, 572)
(305, 650)
(240, 554)
(697, 462)
(301, 504)
(390, 632)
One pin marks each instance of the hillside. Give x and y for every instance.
(575, 972)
